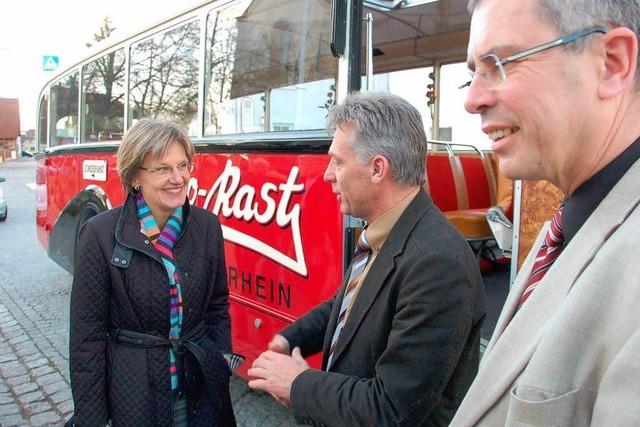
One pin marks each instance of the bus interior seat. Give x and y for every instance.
(464, 185)
(442, 184)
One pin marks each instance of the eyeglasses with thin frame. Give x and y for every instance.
(163, 171)
(492, 69)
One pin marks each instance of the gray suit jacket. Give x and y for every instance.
(410, 347)
(571, 354)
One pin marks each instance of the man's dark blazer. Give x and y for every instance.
(410, 347)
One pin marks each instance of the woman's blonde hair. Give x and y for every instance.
(148, 137)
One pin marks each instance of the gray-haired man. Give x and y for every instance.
(400, 339)
(556, 85)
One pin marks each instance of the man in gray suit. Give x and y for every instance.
(556, 84)
(400, 340)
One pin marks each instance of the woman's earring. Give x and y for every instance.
(136, 187)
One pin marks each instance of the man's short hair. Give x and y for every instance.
(386, 125)
(568, 16)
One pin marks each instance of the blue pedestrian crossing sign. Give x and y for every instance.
(50, 62)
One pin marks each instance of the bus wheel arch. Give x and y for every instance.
(64, 236)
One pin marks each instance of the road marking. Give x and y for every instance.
(31, 185)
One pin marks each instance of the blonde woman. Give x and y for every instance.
(149, 304)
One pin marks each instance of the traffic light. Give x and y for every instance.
(431, 93)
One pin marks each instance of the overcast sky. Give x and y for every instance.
(33, 28)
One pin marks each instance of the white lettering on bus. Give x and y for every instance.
(228, 198)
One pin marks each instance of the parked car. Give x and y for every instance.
(3, 204)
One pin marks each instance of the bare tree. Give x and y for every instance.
(104, 90)
(164, 75)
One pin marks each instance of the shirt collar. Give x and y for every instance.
(379, 229)
(581, 204)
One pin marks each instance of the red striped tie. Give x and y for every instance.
(547, 254)
(358, 264)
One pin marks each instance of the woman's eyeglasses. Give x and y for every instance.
(182, 168)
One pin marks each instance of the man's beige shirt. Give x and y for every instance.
(377, 233)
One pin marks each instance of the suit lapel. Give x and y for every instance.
(519, 284)
(376, 278)
(514, 343)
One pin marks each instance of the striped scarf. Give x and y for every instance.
(163, 243)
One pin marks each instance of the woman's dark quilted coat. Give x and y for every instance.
(131, 386)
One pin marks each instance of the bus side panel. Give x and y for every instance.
(87, 177)
(57, 184)
(60, 179)
(283, 232)
(42, 227)
(251, 332)
(62, 184)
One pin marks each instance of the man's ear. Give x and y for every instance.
(380, 168)
(620, 54)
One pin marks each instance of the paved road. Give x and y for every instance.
(34, 324)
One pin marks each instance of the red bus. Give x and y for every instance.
(252, 80)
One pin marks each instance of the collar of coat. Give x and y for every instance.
(128, 232)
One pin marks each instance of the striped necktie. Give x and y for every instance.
(360, 259)
(547, 254)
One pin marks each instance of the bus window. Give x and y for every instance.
(409, 44)
(43, 111)
(103, 98)
(63, 128)
(460, 126)
(269, 67)
(164, 76)
(309, 101)
(224, 115)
